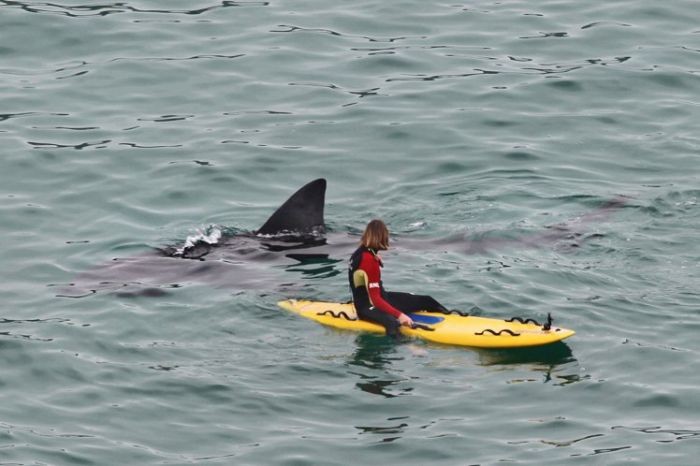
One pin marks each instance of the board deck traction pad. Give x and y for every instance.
(450, 329)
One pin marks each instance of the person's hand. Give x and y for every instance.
(405, 320)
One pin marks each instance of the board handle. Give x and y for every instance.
(416, 326)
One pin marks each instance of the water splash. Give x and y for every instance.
(210, 236)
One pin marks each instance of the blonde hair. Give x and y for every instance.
(376, 236)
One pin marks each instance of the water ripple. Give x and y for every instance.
(80, 146)
(81, 11)
(194, 57)
(604, 23)
(678, 434)
(295, 29)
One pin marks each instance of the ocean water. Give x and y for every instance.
(473, 129)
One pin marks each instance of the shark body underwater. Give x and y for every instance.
(295, 234)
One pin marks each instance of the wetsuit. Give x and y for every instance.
(375, 304)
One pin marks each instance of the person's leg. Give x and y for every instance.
(389, 322)
(409, 302)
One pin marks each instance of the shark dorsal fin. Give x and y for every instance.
(302, 213)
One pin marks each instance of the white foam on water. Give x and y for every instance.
(211, 235)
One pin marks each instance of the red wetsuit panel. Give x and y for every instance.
(370, 265)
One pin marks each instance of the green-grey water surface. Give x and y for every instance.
(130, 126)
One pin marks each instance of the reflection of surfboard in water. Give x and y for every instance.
(450, 329)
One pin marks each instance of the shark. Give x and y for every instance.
(298, 223)
(294, 234)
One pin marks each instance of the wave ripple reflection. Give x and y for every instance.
(80, 11)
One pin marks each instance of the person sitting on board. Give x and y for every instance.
(371, 301)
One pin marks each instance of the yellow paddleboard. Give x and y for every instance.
(449, 329)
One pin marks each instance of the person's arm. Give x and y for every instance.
(370, 267)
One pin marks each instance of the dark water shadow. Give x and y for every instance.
(553, 354)
(554, 363)
(315, 265)
(373, 351)
(374, 354)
